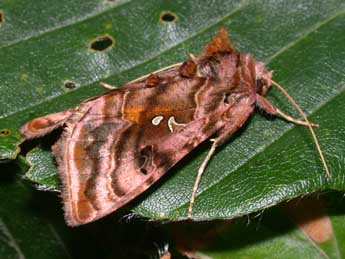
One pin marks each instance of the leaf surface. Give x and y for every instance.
(266, 162)
(273, 234)
(25, 232)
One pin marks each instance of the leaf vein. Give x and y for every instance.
(11, 241)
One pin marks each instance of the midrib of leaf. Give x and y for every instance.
(321, 252)
(12, 242)
(337, 247)
(336, 243)
(58, 238)
(322, 104)
(223, 18)
(66, 24)
(318, 249)
(15, 245)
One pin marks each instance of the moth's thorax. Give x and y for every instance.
(235, 69)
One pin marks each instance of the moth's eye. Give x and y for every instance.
(261, 86)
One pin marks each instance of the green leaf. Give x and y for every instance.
(42, 169)
(274, 235)
(266, 162)
(24, 231)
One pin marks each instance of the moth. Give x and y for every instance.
(116, 145)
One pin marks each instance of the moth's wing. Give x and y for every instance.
(41, 126)
(115, 147)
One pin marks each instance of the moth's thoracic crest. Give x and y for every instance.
(116, 145)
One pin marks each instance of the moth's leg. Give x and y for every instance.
(107, 86)
(226, 132)
(198, 178)
(268, 107)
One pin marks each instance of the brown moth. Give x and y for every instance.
(116, 145)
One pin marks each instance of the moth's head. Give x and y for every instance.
(263, 78)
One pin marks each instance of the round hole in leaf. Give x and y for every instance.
(168, 17)
(70, 84)
(102, 43)
(5, 132)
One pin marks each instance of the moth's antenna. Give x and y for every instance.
(155, 72)
(198, 178)
(308, 124)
